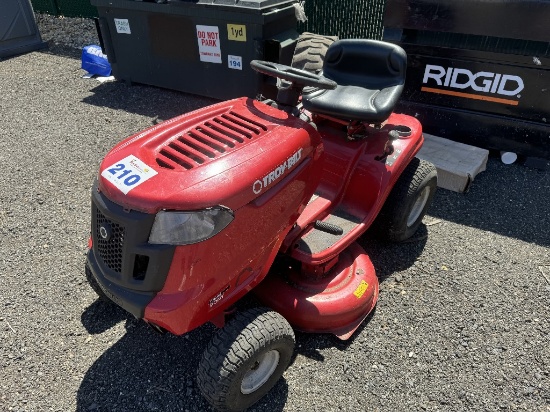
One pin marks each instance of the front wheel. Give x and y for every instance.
(407, 203)
(245, 359)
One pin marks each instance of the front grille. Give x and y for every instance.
(109, 248)
(208, 141)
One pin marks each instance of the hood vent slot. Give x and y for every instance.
(209, 140)
(253, 125)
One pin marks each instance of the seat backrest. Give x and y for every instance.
(371, 64)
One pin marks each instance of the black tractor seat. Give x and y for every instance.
(370, 76)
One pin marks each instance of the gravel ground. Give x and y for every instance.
(463, 317)
(67, 31)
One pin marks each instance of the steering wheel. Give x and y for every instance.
(296, 76)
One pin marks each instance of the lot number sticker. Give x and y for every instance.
(235, 62)
(130, 172)
(209, 44)
(122, 26)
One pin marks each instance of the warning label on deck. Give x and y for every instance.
(209, 44)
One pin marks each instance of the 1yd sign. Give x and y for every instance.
(128, 173)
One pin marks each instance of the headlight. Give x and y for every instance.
(184, 228)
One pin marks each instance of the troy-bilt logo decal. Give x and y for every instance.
(485, 82)
(271, 177)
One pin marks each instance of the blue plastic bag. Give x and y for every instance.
(94, 61)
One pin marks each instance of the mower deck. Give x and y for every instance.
(336, 302)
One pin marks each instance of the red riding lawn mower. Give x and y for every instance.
(267, 197)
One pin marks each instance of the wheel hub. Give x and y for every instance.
(418, 206)
(260, 372)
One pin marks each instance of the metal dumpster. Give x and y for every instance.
(202, 47)
(478, 71)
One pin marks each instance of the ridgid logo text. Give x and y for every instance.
(462, 79)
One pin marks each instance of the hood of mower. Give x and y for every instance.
(226, 154)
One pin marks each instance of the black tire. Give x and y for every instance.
(252, 342)
(310, 51)
(95, 286)
(407, 203)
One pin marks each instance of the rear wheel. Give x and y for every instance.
(245, 359)
(407, 203)
(310, 51)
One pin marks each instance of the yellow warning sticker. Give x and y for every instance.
(361, 289)
(236, 32)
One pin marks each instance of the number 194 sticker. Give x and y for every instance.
(128, 173)
(235, 62)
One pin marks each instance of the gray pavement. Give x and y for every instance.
(462, 322)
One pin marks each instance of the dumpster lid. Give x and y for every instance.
(246, 4)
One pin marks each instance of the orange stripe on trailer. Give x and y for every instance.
(470, 96)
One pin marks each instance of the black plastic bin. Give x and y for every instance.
(478, 71)
(202, 47)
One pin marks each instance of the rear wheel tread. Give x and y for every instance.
(390, 224)
(310, 51)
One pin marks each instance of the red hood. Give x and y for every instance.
(195, 157)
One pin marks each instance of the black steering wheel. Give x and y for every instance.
(296, 76)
